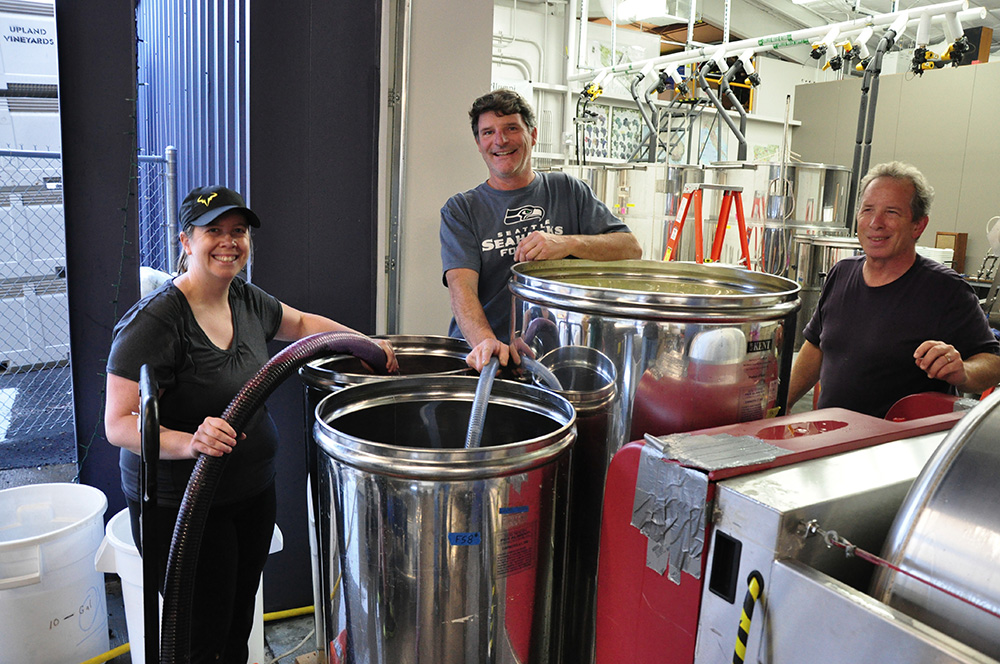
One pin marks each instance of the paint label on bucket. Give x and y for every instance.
(516, 549)
(465, 539)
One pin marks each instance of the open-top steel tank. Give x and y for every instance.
(947, 532)
(816, 255)
(449, 555)
(691, 346)
(417, 355)
(784, 203)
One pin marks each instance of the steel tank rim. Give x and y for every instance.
(563, 357)
(533, 282)
(838, 242)
(449, 463)
(317, 373)
(790, 165)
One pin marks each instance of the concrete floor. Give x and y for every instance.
(283, 639)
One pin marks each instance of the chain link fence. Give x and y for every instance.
(36, 390)
(158, 211)
(36, 396)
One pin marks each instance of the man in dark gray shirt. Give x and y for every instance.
(516, 215)
(893, 323)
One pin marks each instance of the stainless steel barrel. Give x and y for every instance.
(448, 554)
(948, 532)
(692, 346)
(816, 255)
(587, 379)
(417, 356)
(810, 194)
(784, 205)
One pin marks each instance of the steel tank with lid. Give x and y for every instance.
(816, 255)
(646, 197)
(785, 203)
(645, 316)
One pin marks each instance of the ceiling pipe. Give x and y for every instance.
(720, 62)
(768, 42)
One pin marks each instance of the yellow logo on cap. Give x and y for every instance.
(208, 201)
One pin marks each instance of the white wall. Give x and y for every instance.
(449, 68)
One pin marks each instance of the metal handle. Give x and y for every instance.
(149, 433)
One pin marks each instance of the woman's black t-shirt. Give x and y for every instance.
(197, 380)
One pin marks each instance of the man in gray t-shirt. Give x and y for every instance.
(516, 215)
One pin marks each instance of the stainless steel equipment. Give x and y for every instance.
(690, 345)
(816, 255)
(587, 380)
(809, 195)
(693, 345)
(448, 554)
(644, 196)
(417, 356)
(596, 178)
(784, 203)
(948, 530)
(691, 518)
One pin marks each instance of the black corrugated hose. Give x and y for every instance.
(178, 592)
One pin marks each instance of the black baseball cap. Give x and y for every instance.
(206, 204)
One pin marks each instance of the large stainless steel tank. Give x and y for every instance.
(646, 197)
(812, 194)
(448, 554)
(705, 345)
(783, 204)
(948, 532)
(587, 379)
(417, 356)
(816, 255)
(596, 178)
(691, 346)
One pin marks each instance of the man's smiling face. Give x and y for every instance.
(505, 142)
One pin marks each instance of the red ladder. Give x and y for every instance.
(730, 193)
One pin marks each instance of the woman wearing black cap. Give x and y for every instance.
(205, 334)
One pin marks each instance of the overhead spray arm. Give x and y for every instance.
(770, 42)
(861, 42)
(746, 59)
(737, 105)
(953, 27)
(703, 84)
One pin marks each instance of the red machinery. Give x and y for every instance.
(688, 518)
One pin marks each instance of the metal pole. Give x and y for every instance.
(397, 161)
(170, 229)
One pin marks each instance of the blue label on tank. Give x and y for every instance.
(464, 539)
(514, 509)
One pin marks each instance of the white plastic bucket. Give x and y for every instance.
(117, 553)
(52, 601)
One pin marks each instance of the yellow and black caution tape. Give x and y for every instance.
(755, 583)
